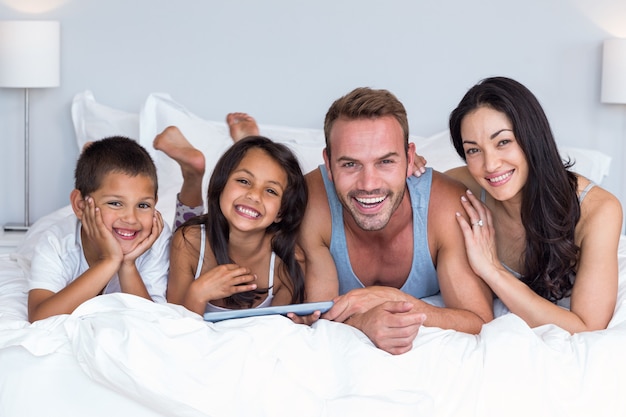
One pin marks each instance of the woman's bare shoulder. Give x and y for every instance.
(599, 207)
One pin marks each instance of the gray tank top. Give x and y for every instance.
(422, 280)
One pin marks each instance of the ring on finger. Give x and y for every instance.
(478, 223)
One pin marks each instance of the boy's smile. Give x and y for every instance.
(127, 205)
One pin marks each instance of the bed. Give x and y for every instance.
(121, 355)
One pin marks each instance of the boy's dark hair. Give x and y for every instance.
(112, 154)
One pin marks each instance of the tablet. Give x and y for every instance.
(299, 309)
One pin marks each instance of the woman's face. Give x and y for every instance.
(493, 155)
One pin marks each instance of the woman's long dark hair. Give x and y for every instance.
(293, 204)
(550, 207)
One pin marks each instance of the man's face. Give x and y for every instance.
(369, 168)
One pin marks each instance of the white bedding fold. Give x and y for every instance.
(239, 367)
(161, 359)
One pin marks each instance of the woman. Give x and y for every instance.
(543, 233)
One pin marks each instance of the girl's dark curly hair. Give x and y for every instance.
(550, 207)
(293, 204)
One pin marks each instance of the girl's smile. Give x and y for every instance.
(252, 197)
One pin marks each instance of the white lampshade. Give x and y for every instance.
(614, 71)
(29, 54)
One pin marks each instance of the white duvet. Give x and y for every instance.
(122, 355)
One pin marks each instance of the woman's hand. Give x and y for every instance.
(419, 165)
(480, 236)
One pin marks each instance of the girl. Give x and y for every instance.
(538, 233)
(242, 253)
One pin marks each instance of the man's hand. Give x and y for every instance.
(384, 314)
(361, 300)
(391, 326)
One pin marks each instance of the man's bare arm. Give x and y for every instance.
(468, 299)
(321, 282)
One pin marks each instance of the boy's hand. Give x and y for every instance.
(98, 234)
(143, 246)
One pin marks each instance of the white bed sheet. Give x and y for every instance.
(121, 355)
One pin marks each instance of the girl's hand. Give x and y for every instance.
(143, 246)
(480, 236)
(98, 234)
(221, 282)
(419, 165)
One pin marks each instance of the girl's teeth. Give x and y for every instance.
(248, 212)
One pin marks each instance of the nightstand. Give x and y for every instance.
(9, 241)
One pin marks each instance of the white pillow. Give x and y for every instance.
(590, 163)
(438, 151)
(94, 121)
(306, 144)
(213, 139)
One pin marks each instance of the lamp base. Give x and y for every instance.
(16, 227)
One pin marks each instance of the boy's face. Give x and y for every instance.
(127, 205)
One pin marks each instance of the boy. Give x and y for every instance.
(115, 242)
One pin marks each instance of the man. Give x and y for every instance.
(378, 239)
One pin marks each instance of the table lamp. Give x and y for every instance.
(29, 58)
(614, 71)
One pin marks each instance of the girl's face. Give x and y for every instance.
(253, 193)
(493, 155)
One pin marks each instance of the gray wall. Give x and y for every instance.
(284, 61)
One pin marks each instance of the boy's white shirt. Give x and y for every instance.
(58, 259)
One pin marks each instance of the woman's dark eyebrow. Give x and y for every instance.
(500, 131)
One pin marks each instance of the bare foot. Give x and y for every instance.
(191, 161)
(241, 125)
(86, 145)
(176, 146)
